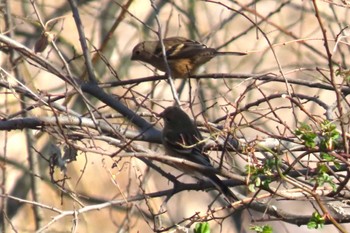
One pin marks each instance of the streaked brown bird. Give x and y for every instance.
(181, 138)
(184, 56)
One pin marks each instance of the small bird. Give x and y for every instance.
(181, 138)
(184, 56)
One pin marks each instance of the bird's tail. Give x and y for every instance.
(224, 189)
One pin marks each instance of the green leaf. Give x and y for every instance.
(311, 225)
(307, 134)
(262, 229)
(337, 165)
(251, 188)
(329, 135)
(266, 183)
(257, 182)
(322, 168)
(327, 157)
(316, 221)
(202, 227)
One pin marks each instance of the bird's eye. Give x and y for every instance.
(137, 52)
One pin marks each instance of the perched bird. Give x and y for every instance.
(181, 138)
(184, 56)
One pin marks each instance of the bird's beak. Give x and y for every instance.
(160, 115)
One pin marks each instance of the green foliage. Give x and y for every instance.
(344, 74)
(202, 227)
(323, 177)
(329, 158)
(307, 134)
(261, 229)
(316, 221)
(256, 172)
(327, 136)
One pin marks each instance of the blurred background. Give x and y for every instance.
(283, 39)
